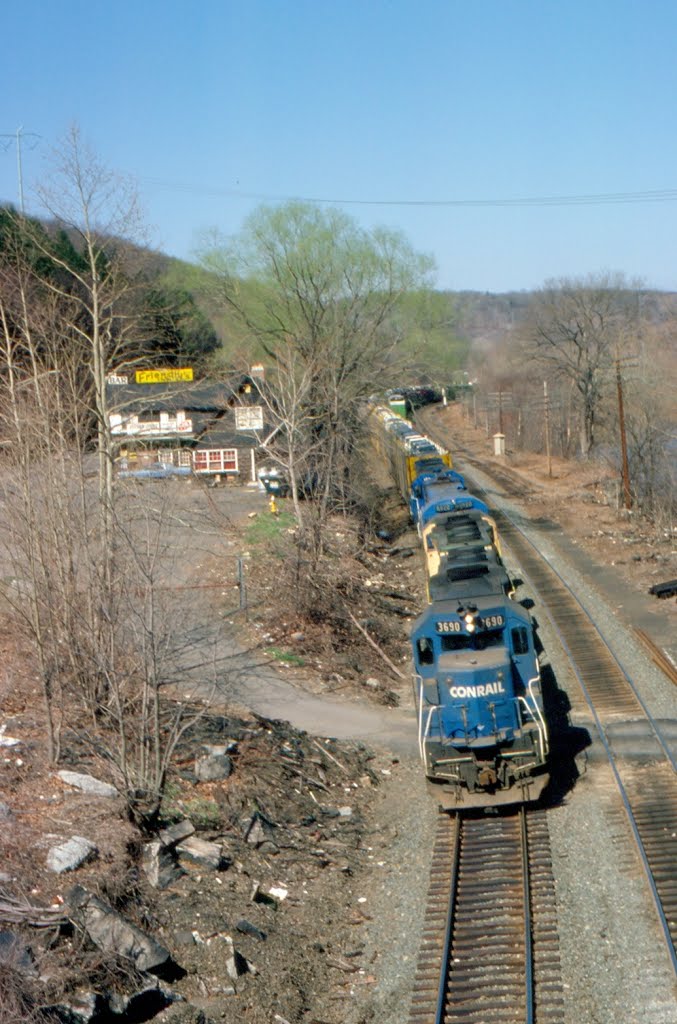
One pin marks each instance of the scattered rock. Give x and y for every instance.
(258, 829)
(112, 933)
(112, 1007)
(17, 956)
(160, 864)
(236, 963)
(143, 1004)
(175, 833)
(82, 1008)
(71, 854)
(259, 895)
(247, 928)
(213, 767)
(201, 851)
(87, 783)
(7, 741)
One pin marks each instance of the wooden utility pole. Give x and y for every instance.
(500, 399)
(546, 405)
(627, 494)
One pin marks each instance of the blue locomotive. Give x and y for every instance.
(481, 731)
(482, 734)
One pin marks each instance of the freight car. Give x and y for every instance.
(407, 453)
(482, 733)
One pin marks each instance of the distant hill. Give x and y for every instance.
(483, 319)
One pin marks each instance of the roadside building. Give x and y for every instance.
(213, 428)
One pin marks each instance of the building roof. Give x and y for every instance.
(199, 396)
(220, 436)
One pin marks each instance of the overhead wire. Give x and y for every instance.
(583, 199)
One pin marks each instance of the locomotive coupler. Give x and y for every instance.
(487, 777)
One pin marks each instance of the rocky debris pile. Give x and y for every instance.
(241, 906)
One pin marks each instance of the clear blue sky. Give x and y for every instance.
(377, 101)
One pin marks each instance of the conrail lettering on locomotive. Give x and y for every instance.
(476, 691)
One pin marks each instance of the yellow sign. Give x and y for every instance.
(164, 376)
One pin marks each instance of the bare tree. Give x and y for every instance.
(649, 421)
(82, 563)
(99, 209)
(573, 331)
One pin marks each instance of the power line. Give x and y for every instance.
(584, 199)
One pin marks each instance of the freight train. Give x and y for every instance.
(482, 732)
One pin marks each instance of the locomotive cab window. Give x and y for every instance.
(472, 641)
(520, 640)
(426, 654)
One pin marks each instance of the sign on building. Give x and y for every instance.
(168, 376)
(249, 417)
(117, 378)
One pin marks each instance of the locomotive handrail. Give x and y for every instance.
(423, 733)
(539, 713)
(535, 713)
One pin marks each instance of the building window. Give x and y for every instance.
(215, 460)
(249, 417)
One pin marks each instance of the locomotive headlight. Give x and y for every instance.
(469, 623)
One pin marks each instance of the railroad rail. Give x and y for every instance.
(648, 790)
(490, 949)
(658, 655)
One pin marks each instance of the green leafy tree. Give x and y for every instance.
(433, 344)
(326, 301)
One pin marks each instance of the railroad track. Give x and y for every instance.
(490, 948)
(648, 790)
